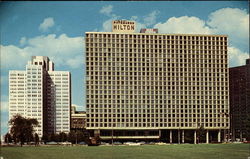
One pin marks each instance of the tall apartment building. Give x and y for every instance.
(156, 86)
(239, 99)
(44, 94)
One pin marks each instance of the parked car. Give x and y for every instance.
(82, 143)
(142, 142)
(66, 143)
(117, 143)
(52, 143)
(104, 143)
(160, 143)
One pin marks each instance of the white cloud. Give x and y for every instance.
(46, 24)
(237, 57)
(75, 62)
(107, 10)
(107, 25)
(134, 18)
(151, 18)
(4, 106)
(230, 20)
(184, 25)
(138, 25)
(60, 49)
(13, 57)
(234, 22)
(23, 41)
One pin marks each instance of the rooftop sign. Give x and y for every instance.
(123, 26)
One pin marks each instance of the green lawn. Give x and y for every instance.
(186, 151)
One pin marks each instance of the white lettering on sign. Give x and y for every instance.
(123, 26)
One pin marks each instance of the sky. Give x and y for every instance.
(57, 30)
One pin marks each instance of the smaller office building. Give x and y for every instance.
(239, 100)
(78, 119)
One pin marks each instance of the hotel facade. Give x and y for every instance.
(154, 86)
(44, 94)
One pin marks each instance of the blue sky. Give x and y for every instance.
(56, 30)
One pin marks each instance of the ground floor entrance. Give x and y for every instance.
(163, 135)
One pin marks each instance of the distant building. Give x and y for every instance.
(145, 30)
(78, 119)
(44, 94)
(156, 86)
(239, 99)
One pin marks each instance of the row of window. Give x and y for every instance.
(146, 125)
(150, 113)
(156, 64)
(147, 95)
(162, 54)
(198, 45)
(142, 36)
(157, 41)
(135, 101)
(152, 120)
(143, 51)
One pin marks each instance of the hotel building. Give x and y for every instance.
(156, 86)
(44, 94)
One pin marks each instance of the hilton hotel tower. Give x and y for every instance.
(151, 86)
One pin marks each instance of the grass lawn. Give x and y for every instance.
(186, 151)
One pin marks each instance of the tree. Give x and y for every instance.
(52, 137)
(80, 136)
(7, 138)
(86, 136)
(63, 137)
(72, 137)
(36, 139)
(22, 128)
(45, 138)
(57, 137)
(200, 133)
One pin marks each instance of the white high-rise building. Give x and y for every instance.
(154, 86)
(43, 94)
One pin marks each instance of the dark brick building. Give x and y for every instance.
(239, 99)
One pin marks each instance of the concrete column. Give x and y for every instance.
(195, 142)
(219, 134)
(183, 136)
(207, 137)
(233, 133)
(225, 139)
(170, 137)
(179, 136)
(240, 135)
